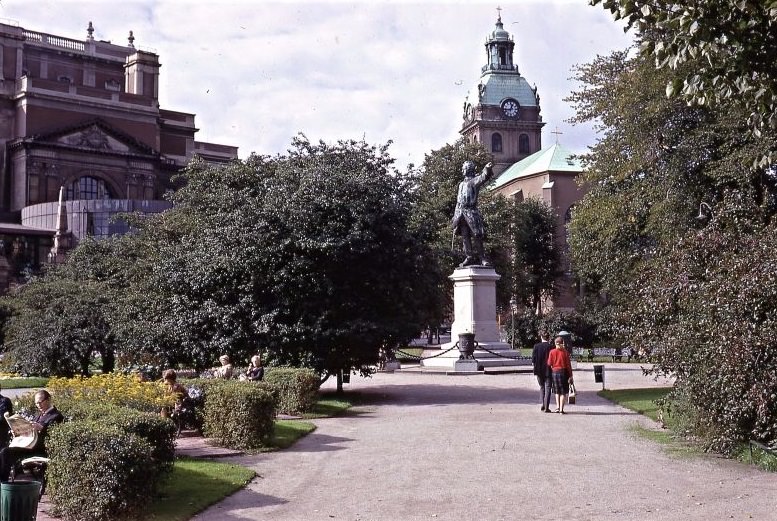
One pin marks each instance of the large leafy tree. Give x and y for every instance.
(306, 256)
(730, 43)
(57, 325)
(674, 284)
(57, 322)
(536, 263)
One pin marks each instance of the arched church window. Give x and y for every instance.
(496, 142)
(523, 144)
(88, 187)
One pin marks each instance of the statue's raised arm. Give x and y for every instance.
(467, 220)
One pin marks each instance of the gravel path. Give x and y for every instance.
(438, 447)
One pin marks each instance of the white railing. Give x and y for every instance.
(54, 41)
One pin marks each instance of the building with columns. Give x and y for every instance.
(503, 113)
(83, 117)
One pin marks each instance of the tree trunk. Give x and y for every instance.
(339, 382)
(109, 361)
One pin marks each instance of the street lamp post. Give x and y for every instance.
(513, 309)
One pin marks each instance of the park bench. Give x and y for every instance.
(766, 448)
(588, 354)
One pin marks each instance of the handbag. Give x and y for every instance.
(572, 394)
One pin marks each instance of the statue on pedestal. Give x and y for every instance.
(467, 220)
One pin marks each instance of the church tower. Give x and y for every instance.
(503, 111)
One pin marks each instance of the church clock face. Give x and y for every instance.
(510, 108)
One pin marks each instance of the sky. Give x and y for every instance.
(257, 73)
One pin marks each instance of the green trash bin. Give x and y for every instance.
(19, 501)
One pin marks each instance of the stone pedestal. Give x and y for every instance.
(465, 366)
(390, 367)
(474, 308)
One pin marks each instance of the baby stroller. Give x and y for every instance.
(186, 417)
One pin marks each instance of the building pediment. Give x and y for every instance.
(93, 136)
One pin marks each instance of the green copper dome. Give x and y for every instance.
(500, 78)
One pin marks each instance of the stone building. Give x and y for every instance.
(549, 175)
(503, 113)
(82, 117)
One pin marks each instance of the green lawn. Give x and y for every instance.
(23, 382)
(331, 404)
(638, 400)
(643, 402)
(287, 432)
(194, 485)
(413, 351)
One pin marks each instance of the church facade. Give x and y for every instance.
(503, 113)
(82, 118)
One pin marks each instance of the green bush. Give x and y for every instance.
(157, 431)
(296, 390)
(239, 414)
(99, 472)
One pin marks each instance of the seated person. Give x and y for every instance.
(169, 377)
(255, 371)
(48, 415)
(6, 406)
(225, 371)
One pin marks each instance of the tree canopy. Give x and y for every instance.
(536, 260)
(307, 257)
(731, 44)
(675, 230)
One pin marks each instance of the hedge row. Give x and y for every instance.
(296, 390)
(159, 432)
(102, 469)
(106, 460)
(239, 415)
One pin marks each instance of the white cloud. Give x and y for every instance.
(255, 73)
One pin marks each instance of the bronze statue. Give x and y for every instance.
(467, 220)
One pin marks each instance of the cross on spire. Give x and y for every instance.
(558, 133)
(499, 13)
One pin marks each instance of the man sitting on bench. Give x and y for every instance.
(48, 415)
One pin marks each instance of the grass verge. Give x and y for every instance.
(328, 405)
(757, 457)
(194, 485)
(413, 352)
(331, 404)
(23, 382)
(287, 432)
(641, 401)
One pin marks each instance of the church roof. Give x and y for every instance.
(499, 86)
(553, 159)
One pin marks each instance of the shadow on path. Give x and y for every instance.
(314, 442)
(425, 394)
